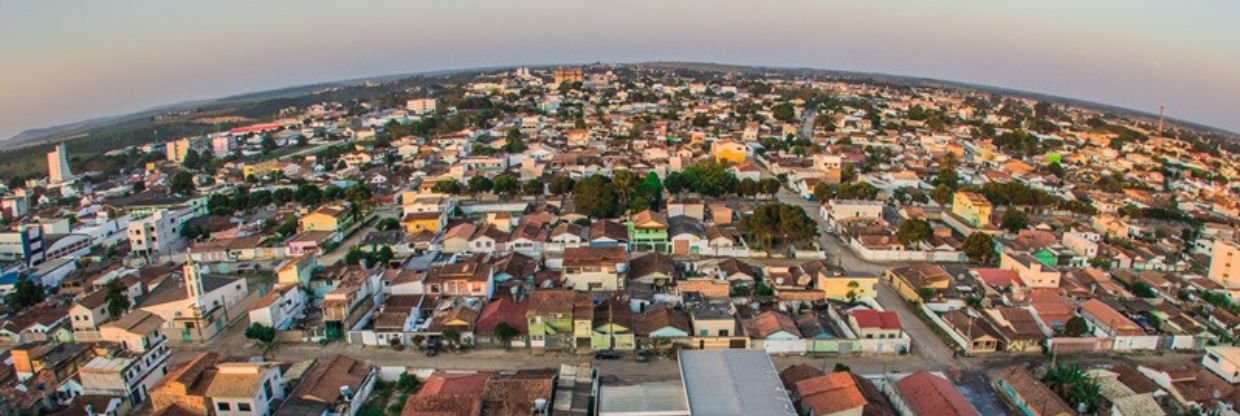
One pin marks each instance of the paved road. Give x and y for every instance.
(380, 213)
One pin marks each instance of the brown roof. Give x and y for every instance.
(922, 274)
(1035, 394)
(589, 256)
(649, 220)
(928, 394)
(323, 383)
(650, 264)
(503, 310)
(770, 322)
(607, 229)
(830, 393)
(662, 316)
(137, 322)
(546, 302)
(514, 394)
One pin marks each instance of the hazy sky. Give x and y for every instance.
(64, 61)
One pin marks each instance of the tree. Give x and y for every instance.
(824, 191)
(942, 194)
(513, 143)
(269, 144)
(264, 337)
(925, 293)
(980, 247)
(282, 196)
(1075, 386)
(505, 334)
(596, 197)
(1075, 327)
(479, 184)
(532, 187)
(560, 185)
(625, 181)
(308, 195)
(840, 367)
(506, 185)
(776, 222)
(783, 112)
(26, 293)
(648, 194)
(913, 231)
(447, 187)
(769, 186)
(1014, 220)
(747, 188)
(1144, 290)
(947, 172)
(117, 298)
(675, 182)
(182, 183)
(452, 337)
(191, 160)
(387, 224)
(332, 192)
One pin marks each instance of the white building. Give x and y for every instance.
(421, 105)
(159, 233)
(1224, 361)
(133, 369)
(58, 165)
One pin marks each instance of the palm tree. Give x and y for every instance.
(624, 180)
(1072, 384)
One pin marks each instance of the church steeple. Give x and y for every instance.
(193, 283)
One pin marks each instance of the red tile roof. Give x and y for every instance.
(869, 318)
(928, 394)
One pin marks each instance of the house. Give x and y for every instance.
(838, 212)
(132, 370)
(1223, 360)
(914, 282)
(280, 307)
(1033, 273)
(976, 332)
(648, 231)
(878, 331)
(774, 331)
(46, 321)
(1029, 395)
(834, 394)
(468, 277)
(88, 314)
(655, 269)
(662, 322)
(506, 311)
(416, 222)
(839, 284)
(209, 385)
(336, 386)
(614, 326)
(297, 270)
(1018, 329)
(332, 218)
(552, 318)
(1107, 322)
(923, 393)
(605, 233)
(595, 268)
(730, 151)
(973, 208)
(715, 326)
(687, 235)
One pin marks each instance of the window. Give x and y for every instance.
(243, 407)
(223, 406)
(723, 332)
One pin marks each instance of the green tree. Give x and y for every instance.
(1076, 327)
(980, 247)
(447, 187)
(26, 293)
(182, 183)
(1075, 386)
(648, 194)
(117, 298)
(824, 191)
(1014, 220)
(561, 185)
(625, 181)
(514, 143)
(506, 185)
(1144, 290)
(505, 334)
(264, 337)
(783, 112)
(770, 186)
(191, 160)
(913, 231)
(269, 144)
(675, 182)
(942, 194)
(479, 184)
(387, 224)
(596, 197)
(532, 187)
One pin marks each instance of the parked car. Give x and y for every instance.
(643, 355)
(607, 355)
(432, 347)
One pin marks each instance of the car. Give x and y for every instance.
(607, 355)
(643, 355)
(432, 347)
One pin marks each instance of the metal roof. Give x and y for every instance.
(733, 383)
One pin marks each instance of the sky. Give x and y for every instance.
(63, 61)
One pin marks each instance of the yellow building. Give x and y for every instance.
(909, 281)
(327, 218)
(263, 168)
(296, 270)
(973, 207)
(416, 222)
(728, 150)
(1225, 264)
(851, 285)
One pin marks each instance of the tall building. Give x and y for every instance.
(58, 164)
(177, 149)
(569, 75)
(1225, 264)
